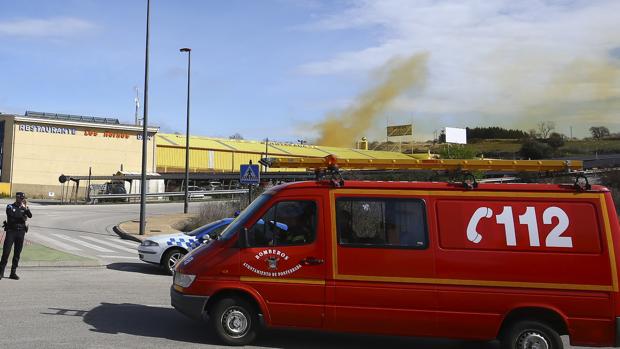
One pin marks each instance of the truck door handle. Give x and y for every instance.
(312, 261)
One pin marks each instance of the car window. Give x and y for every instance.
(287, 223)
(378, 222)
(244, 216)
(204, 228)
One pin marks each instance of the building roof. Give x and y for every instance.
(94, 123)
(274, 148)
(69, 117)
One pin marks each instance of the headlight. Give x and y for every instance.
(183, 280)
(149, 243)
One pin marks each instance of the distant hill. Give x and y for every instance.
(504, 148)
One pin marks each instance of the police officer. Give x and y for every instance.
(15, 226)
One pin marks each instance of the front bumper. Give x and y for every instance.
(190, 305)
(617, 345)
(149, 254)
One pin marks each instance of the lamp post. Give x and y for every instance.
(189, 65)
(145, 124)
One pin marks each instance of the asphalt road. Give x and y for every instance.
(125, 304)
(87, 230)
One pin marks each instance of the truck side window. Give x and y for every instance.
(381, 222)
(287, 223)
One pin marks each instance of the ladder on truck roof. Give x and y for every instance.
(332, 162)
(330, 166)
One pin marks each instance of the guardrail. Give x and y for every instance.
(192, 194)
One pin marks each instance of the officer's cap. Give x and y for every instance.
(20, 195)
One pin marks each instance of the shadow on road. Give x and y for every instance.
(146, 321)
(159, 322)
(314, 339)
(141, 268)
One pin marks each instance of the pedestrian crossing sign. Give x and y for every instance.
(249, 174)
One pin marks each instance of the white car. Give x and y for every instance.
(167, 250)
(194, 192)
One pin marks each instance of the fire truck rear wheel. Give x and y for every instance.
(531, 334)
(234, 320)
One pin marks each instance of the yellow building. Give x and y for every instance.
(226, 155)
(38, 147)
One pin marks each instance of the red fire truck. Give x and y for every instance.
(524, 263)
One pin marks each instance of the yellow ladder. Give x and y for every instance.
(332, 162)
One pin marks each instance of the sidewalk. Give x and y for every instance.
(155, 225)
(36, 255)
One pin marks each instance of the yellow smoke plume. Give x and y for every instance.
(586, 91)
(582, 93)
(342, 129)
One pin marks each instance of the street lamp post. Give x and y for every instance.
(189, 65)
(145, 123)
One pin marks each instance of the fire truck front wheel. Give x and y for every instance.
(531, 334)
(234, 320)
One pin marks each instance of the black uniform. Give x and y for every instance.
(15, 228)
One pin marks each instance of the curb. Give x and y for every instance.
(125, 235)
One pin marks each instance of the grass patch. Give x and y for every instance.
(34, 252)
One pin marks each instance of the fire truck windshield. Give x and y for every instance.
(245, 215)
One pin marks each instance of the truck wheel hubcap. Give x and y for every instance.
(235, 322)
(532, 340)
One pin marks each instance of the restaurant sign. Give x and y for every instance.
(47, 129)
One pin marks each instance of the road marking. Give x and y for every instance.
(120, 241)
(83, 243)
(118, 257)
(100, 241)
(55, 243)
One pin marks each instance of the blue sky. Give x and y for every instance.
(273, 68)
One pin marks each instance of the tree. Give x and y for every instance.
(534, 150)
(442, 137)
(236, 136)
(456, 151)
(545, 128)
(494, 132)
(599, 132)
(555, 140)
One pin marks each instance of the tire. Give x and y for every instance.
(520, 333)
(234, 321)
(170, 258)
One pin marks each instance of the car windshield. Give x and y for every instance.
(245, 215)
(204, 228)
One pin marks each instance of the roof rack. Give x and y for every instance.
(332, 162)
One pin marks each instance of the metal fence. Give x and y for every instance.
(192, 195)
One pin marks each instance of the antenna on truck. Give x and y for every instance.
(330, 166)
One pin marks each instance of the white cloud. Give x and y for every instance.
(58, 27)
(504, 58)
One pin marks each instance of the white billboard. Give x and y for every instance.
(456, 135)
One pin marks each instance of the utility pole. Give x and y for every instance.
(145, 123)
(189, 65)
(266, 152)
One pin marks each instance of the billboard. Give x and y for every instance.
(399, 130)
(456, 135)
